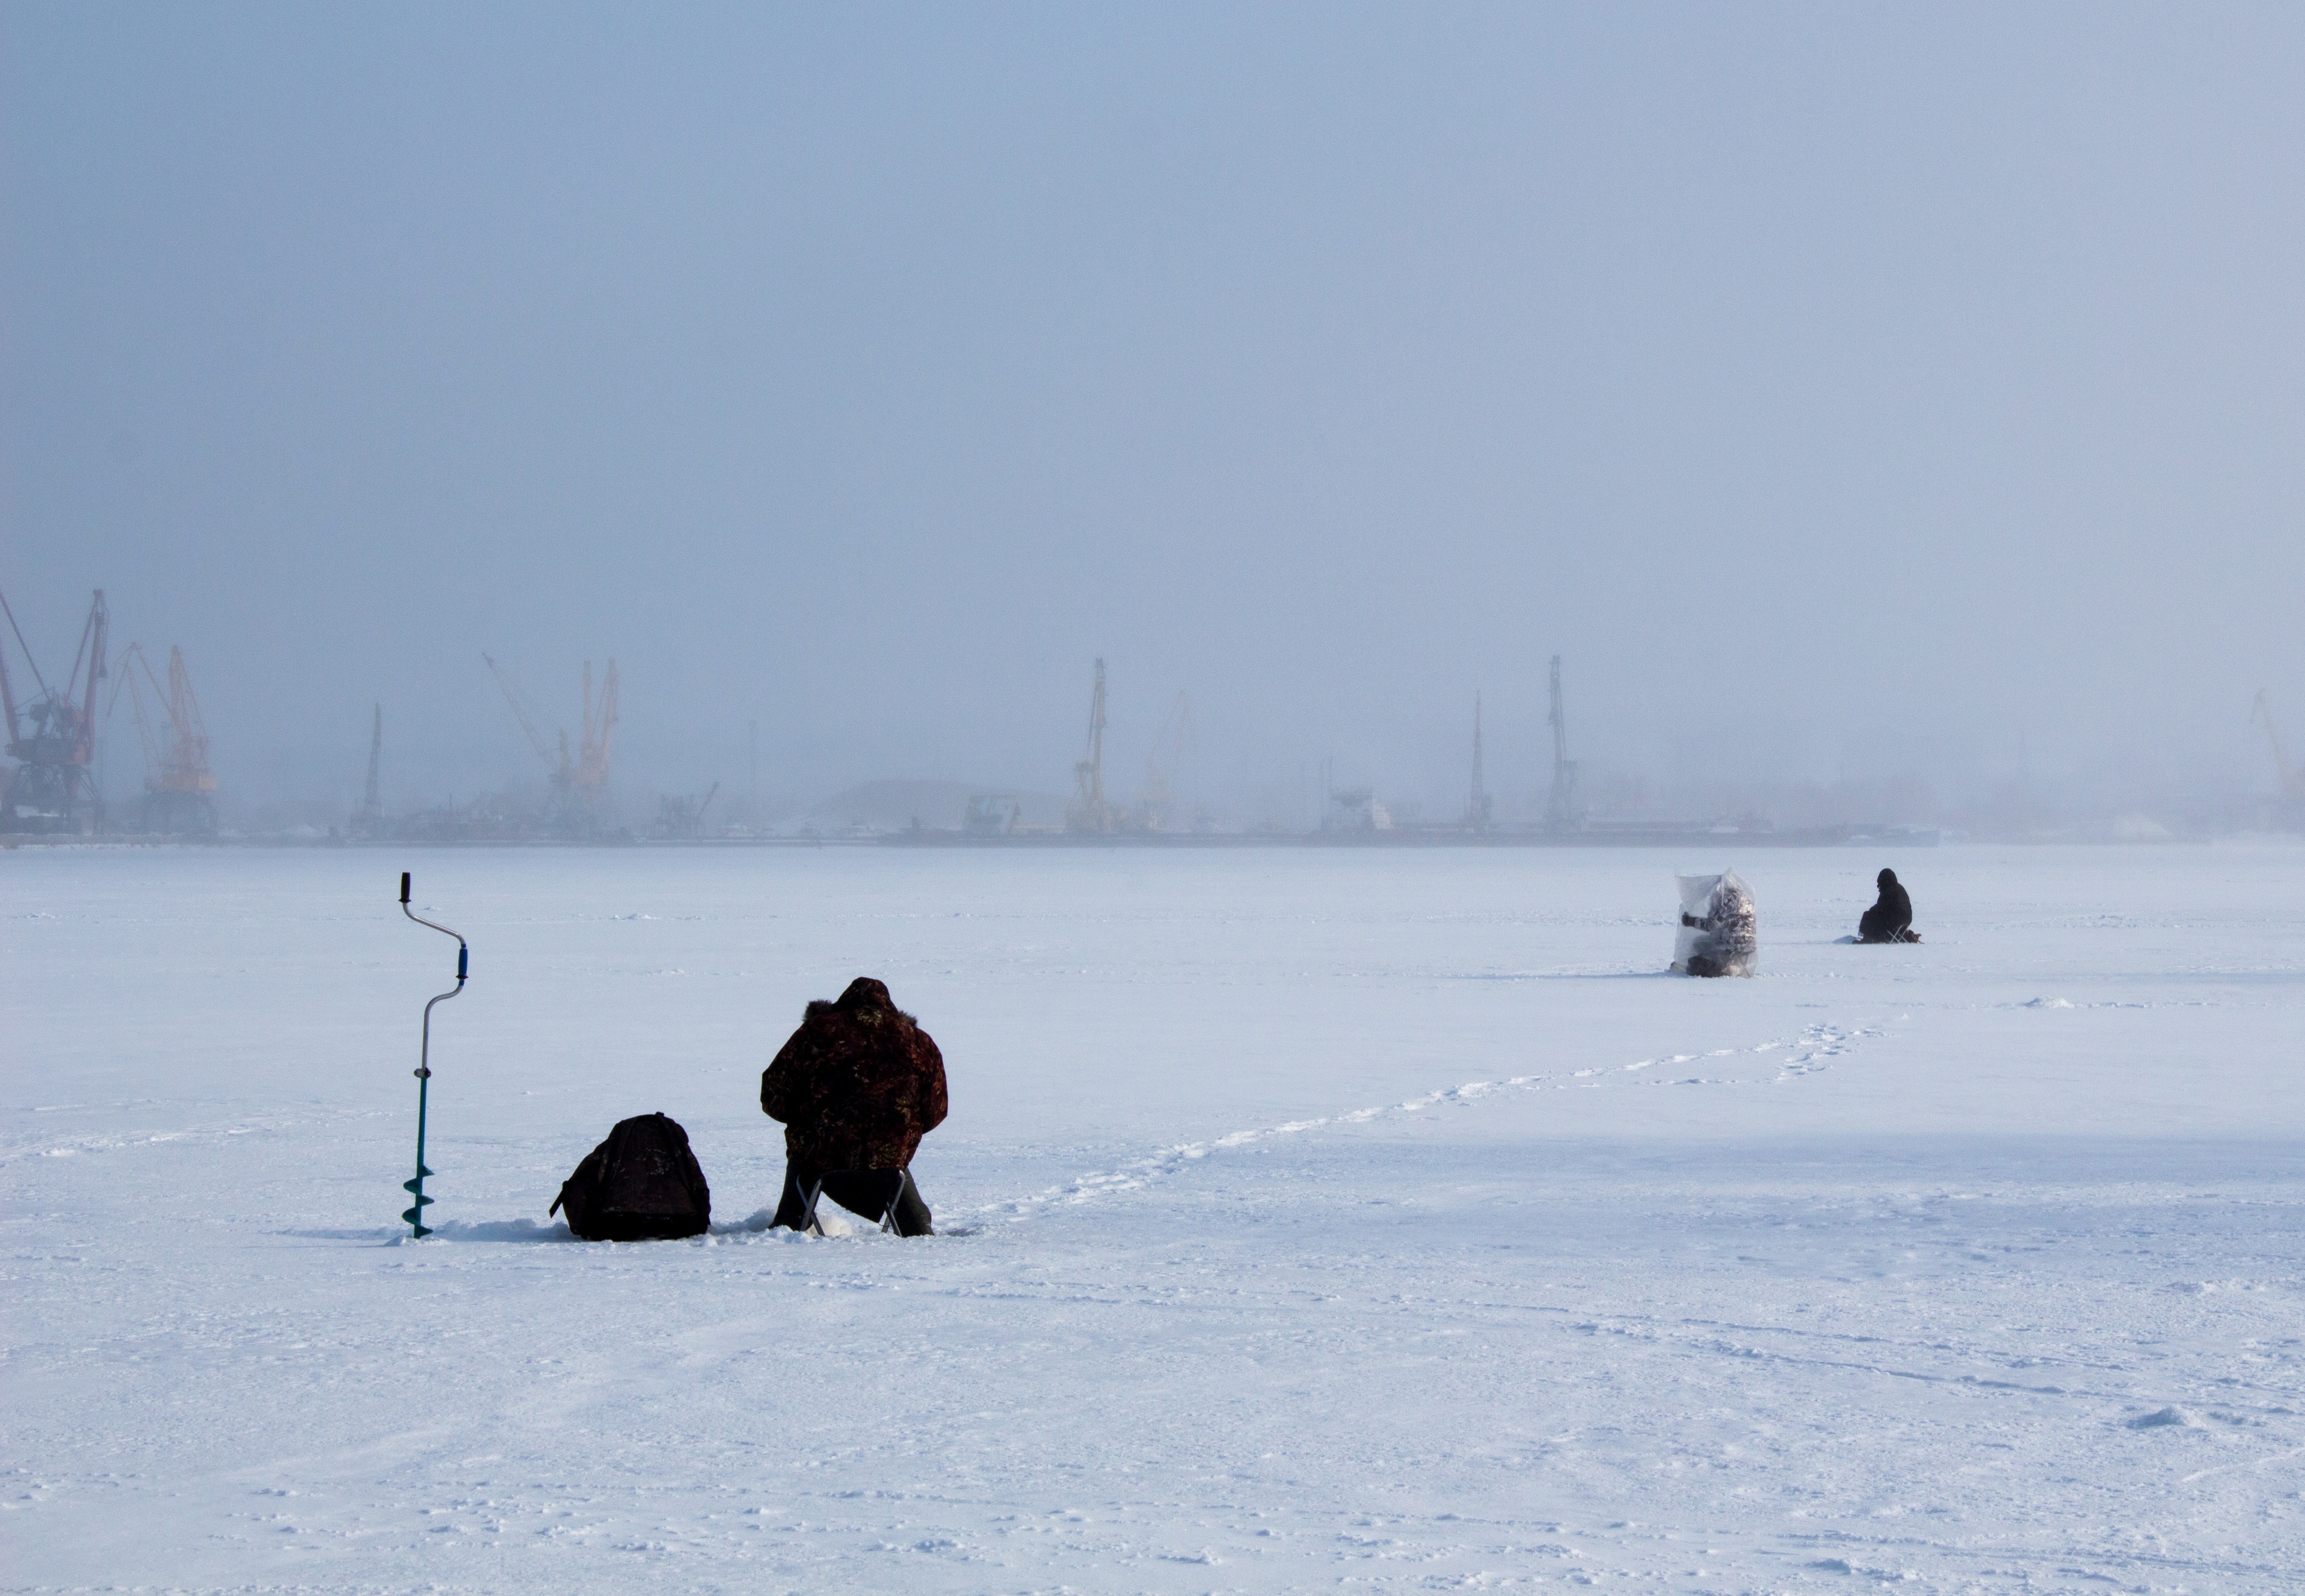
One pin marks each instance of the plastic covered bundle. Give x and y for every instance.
(1719, 934)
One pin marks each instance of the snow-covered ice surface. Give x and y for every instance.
(1357, 1220)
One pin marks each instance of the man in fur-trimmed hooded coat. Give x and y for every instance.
(856, 1088)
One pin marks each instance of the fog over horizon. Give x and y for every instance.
(1878, 401)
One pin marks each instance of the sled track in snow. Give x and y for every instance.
(1813, 1051)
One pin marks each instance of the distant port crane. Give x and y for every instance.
(2292, 779)
(1091, 812)
(1480, 804)
(1163, 766)
(179, 789)
(368, 820)
(1564, 811)
(52, 788)
(577, 779)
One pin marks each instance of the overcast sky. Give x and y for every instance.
(1843, 390)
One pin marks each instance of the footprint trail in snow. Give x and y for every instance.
(1812, 1051)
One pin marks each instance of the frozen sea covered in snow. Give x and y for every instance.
(1311, 1220)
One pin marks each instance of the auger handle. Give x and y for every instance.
(463, 953)
(415, 1214)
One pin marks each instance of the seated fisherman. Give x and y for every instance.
(856, 1088)
(1890, 919)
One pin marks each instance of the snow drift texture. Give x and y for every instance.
(1384, 1222)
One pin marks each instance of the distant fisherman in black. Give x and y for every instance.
(1892, 919)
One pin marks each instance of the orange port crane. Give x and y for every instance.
(577, 779)
(178, 787)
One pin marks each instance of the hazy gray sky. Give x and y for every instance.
(1841, 389)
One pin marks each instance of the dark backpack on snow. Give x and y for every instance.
(642, 1185)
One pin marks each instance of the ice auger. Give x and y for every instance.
(415, 1188)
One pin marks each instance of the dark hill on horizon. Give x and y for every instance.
(895, 805)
